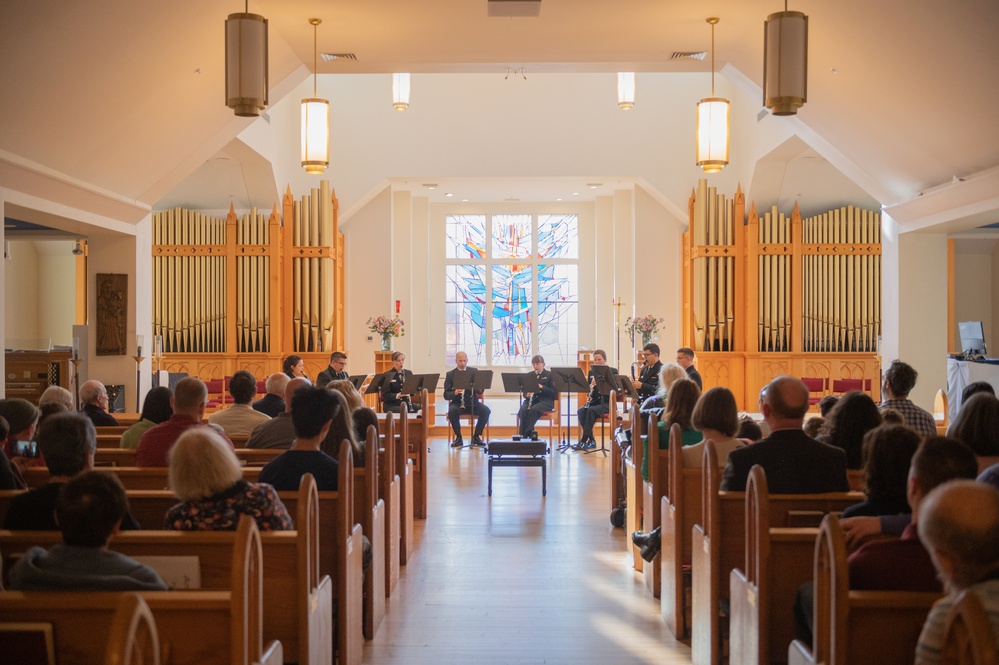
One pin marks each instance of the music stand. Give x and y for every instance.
(520, 383)
(358, 380)
(414, 383)
(606, 382)
(565, 379)
(627, 387)
(377, 381)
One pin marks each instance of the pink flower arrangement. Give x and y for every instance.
(642, 325)
(384, 325)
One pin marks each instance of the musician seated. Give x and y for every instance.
(537, 404)
(463, 402)
(648, 379)
(392, 396)
(596, 407)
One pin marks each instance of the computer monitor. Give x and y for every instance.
(972, 337)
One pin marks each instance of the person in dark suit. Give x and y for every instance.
(537, 404)
(685, 359)
(794, 462)
(648, 379)
(462, 401)
(336, 371)
(597, 406)
(392, 395)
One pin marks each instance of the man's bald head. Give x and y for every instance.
(959, 525)
(294, 385)
(276, 384)
(461, 359)
(786, 400)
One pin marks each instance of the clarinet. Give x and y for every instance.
(594, 398)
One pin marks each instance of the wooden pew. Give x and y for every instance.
(407, 490)
(968, 636)
(857, 627)
(718, 546)
(132, 639)
(680, 510)
(417, 429)
(762, 592)
(133, 478)
(193, 627)
(370, 512)
(104, 457)
(652, 494)
(389, 488)
(110, 437)
(633, 491)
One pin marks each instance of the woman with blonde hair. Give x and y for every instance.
(669, 374)
(208, 479)
(360, 414)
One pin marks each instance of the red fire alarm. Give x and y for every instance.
(398, 306)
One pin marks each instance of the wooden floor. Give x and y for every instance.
(518, 578)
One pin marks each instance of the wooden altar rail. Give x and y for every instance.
(283, 278)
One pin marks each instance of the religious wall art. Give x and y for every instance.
(112, 310)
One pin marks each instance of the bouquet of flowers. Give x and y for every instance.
(645, 326)
(387, 327)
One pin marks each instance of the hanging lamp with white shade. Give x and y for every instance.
(246, 63)
(712, 123)
(400, 91)
(315, 119)
(785, 61)
(626, 90)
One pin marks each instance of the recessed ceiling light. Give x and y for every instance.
(430, 185)
(464, 200)
(593, 185)
(449, 195)
(575, 193)
(559, 198)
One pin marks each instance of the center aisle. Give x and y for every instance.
(520, 578)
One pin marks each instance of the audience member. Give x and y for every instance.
(294, 367)
(240, 418)
(362, 416)
(680, 403)
(716, 417)
(279, 431)
(814, 426)
(273, 404)
(57, 395)
(312, 411)
(749, 430)
(89, 511)
(854, 415)
(157, 407)
(826, 404)
(45, 411)
(669, 373)
(208, 479)
(900, 379)
(67, 441)
(888, 452)
(336, 371)
(959, 524)
(977, 387)
(990, 476)
(892, 417)
(94, 398)
(10, 475)
(342, 429)
(794, 462)
(189, 399)
(685, 359)
(21, 417)
(977, 425)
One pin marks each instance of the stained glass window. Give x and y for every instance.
(504, 301)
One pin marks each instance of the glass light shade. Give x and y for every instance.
(712, 134)
(246, 64)
(626, 90)
(785, 62)
(315, 135)
(400, 92)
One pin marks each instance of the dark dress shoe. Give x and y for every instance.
(642, 539)
(651, 549)
(457, 443)
(478, 442)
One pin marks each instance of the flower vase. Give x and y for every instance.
(646, 339)
(386, 342)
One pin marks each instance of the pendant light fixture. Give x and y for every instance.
(246, 63)
(626, 90)
(712, 123)
(785, 61)
(315, 119)
(400, 92)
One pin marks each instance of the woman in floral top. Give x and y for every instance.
(205, 474)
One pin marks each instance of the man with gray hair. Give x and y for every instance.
(273, 404)
(67, 441)
(959, 525)
(279, 431)
(94, 398)
(189, 399)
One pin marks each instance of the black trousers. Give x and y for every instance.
(456, 410)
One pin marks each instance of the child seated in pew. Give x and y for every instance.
(89, 510)
(68, 441)
(206, 475)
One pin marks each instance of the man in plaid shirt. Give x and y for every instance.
(900, 379)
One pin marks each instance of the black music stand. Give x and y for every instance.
(414, 383)
(627, 387)
(358, 380)
(377, 381)
(606, 378)
(478, 382)
(521, 383)
(565, 379)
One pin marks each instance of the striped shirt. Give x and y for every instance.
(931, 640)
(914, 417)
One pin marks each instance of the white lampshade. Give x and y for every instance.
(246, 63)
(400, 91)
(626, 90)
(315, 135)
(712, 134)
(785, 62)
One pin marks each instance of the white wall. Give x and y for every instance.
(21, 304)
(973, 292)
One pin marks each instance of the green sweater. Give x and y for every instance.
(688, 437)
